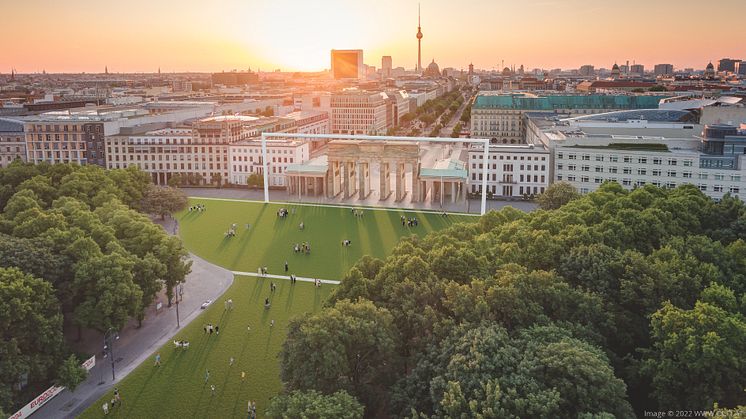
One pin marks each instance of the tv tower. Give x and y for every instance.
(419, 41)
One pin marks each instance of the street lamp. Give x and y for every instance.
(179, 293)
(110, 336)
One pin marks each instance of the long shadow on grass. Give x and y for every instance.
(240, 356)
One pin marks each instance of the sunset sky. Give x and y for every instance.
(214, 35)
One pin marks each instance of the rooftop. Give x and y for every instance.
(554, 102)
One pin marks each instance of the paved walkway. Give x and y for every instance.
(471, 206)
(135, 345)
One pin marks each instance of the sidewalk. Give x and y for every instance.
(472, 205)
(205, 282)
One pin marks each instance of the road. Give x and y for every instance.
(135, 345)
(448, 128)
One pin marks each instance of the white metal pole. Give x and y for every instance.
(265, 175)
(484, 176)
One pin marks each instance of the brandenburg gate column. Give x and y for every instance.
(363, 177)
(384, 178)
(416, 184)
(400, 184)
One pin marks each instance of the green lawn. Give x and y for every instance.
(177, 388)
(270, 239)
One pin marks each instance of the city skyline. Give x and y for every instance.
(292, 36)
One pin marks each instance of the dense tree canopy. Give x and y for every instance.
(99, 262)
(31, 343)
(314, 405)
(609, 303)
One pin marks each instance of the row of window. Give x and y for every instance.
(500, 157)
(658, 183)
(625, 159)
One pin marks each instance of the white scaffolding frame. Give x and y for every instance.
(485, 144)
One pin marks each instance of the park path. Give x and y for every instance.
(471, 206)
(135, 345)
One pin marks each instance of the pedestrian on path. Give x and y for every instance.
(207, 376)
(212, 389)
(117, 397)
(106, 408)
(230, 362)
(286, 266)
(217, 330)
(157, 360)
(271, 323)
(243, 376)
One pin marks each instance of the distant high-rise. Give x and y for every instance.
(347, 64)
(587, 70)
(419, 41)
(471, 69)
(727, 64)
(637, 69)
(663, 69)
(386, 66)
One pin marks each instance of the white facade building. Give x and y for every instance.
(665, 149)
(512, 171)
(246, 158)
(358, 112)
(198, 155)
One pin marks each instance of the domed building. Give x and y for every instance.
(615, 72)
(710, 71)
(432, 70)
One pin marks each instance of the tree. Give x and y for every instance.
(657, 88)
(314, 405)
(348, 347)
(31, 341)
(482, 371)
(216, 179)
(697, 356)
(106, 292)
(255, 180)
(456, 130)
(557, 195)
(70, 374)
(175, 180)
(163, 200)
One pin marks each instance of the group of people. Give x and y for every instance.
(409, 222)
(293, 279)
(302, 247)
(228, 304)
(231, 231)
(317, 283)
(282, 212)
(262, 271)
(198, 207)
(209, 328)
(346, 242)
(117, 399)
(252, 410)
(184, 344)
(356, 213)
